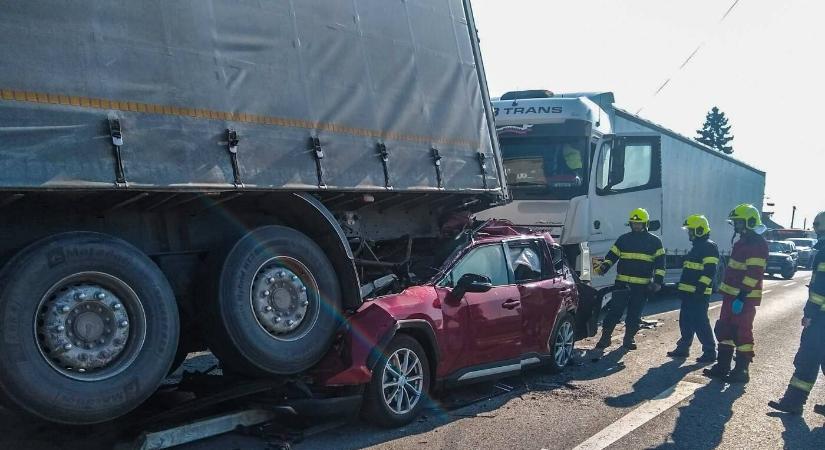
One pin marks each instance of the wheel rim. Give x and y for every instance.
(563, 345)
(285, 298)
(90, 326)
(402, 381)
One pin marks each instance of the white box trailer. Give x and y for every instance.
(577, 165)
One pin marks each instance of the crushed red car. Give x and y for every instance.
(505, 299)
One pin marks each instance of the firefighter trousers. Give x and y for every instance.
(736, 330)
(629, 297)
(810, 358)
(693, 320)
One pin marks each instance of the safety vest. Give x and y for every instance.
(746, 267)
(816, 292)
(640, 258)
(699, 267)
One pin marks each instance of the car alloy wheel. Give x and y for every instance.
(563, 344)
(402, 381)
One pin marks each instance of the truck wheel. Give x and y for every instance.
(560, 344)
(788, 274)
(275, 305)
(90, 327)
(400, 384)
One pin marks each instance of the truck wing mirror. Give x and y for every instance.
(654, 225)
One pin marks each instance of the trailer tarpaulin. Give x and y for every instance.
(176, 76)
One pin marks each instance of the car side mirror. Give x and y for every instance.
(470, 282)
(654, 225)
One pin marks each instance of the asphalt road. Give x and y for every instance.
(630, 400)
(617, 400)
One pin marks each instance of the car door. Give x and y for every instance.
(542, 292)
(493, 325)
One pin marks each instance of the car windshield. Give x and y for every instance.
(548, 168)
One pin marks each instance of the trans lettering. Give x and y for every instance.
(530, 110)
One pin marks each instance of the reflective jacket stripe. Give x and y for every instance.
(756, 293)
(660, 252)
(705, 280)
(633, 280)
(750, 282)
(734, 264)
(693, 265)
(820, 267)
(745, 348)
(710, 260)
(758, 262)
(686, 287)
(728, 289)
(817, 299)
(638, 256)
(660, 272)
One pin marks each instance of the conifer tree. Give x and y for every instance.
(715, 133)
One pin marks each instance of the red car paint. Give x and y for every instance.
(503, 324)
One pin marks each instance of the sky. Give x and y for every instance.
(763, 65)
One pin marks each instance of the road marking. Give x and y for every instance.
(643, 414)
(767, 291)
(715, 307)
(788, 284)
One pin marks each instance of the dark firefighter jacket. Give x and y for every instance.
(746, 267)
(640, 256)
(699, 267)
(816, 294)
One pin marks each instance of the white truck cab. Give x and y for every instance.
(576, 165)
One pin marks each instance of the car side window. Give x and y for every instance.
(527, 262)
(488, 260)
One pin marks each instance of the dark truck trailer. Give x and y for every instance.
(236, 175)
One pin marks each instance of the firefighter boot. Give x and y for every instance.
(607, 334)
(722, 366)
(740, 373)
(792, 402)
(629, 341)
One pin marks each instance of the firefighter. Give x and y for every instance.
(698, 272)
(810, 358)
(640, 270)
(742, 293)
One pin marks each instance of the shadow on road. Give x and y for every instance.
(797, 434)
(651, 384)
(701, 423)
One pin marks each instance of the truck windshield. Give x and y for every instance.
(546, 168)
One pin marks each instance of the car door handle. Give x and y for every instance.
(511, 304)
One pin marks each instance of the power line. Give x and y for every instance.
(690, 57)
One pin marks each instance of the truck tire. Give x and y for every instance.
(274, 305)
(89, 328)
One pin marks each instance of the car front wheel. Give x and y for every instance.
(399, 385)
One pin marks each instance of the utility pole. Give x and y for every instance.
(792, 215)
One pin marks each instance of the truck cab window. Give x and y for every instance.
(627, 166)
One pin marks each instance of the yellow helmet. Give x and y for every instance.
(698, 223)
(639, 215)
(751, 216)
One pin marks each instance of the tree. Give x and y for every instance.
(715, 133)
